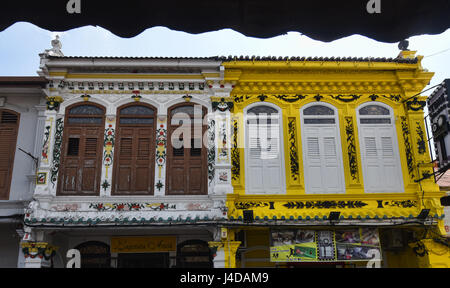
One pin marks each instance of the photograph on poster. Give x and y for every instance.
(359, 244)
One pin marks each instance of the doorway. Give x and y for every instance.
(143, 260)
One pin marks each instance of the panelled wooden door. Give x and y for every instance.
(9, 126)
(186, 166)
(80, 168)
(134, 151)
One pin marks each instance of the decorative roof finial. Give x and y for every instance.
(403, 45)
(56, 48)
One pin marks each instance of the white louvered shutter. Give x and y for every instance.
(322, 160)
(264, 174)
(381, 165)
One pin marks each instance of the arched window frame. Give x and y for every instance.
(117, 147)
(338, 144)
(281, 137)
(395, 143)
(169, 150)
(65, 144)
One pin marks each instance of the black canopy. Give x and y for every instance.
(324, 20)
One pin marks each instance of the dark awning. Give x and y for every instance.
(324, 20)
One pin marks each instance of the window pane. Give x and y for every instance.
(262, 110)
(84, 120)
(319, 121)
(137, 110)
(86, 110)
(318, 110)
(136, 120)
(375, 121)
(373, 110)
(196, 147)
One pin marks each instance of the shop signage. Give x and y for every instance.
(299, 245)
(143, 244)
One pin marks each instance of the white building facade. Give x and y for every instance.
(110, 183)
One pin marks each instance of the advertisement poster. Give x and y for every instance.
(300, 245)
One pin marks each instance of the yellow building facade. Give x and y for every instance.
(334, 102)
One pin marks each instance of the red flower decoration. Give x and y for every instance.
(110, 125)
(161, 206)
(109, 132)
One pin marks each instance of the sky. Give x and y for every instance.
(21, 43)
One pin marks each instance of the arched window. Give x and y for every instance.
(134, 160)
(186, 172)
(194, 254)
(81, 154)
(94, 254)
(264, 156)
(322, 153)
(379, 149)
(9, 127)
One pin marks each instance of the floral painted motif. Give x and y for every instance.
(108, 146)
(211, 149)
(352, 157)
(105, 185)
(161, 140)
(222, 149)
(54, 102)
(39, 250)
(131, 206)
(57, 150)
(293, 153)
(159, 185)
(45, 146)
(235, 155)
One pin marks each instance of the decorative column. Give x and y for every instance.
(50, 150)
(218, 254)
(38, 254)
(230, 249)
(419, 146)
(431, 254)
(219, 156)
(108, 155)
(224, 251)
(160, 155)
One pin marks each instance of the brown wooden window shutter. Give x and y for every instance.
(186, 172)
(9, 127)
(81, 155)
(135, 150)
